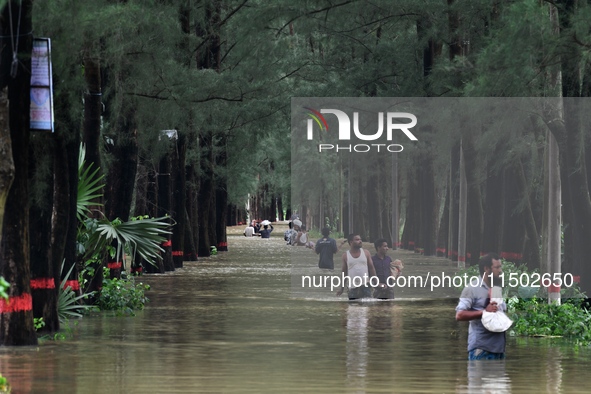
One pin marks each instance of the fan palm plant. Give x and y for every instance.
(99, 235)
(139, 237)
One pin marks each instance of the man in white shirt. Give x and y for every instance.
(358, 268)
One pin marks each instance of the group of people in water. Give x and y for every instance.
(359, 266)
(254, 229)
(357, 263)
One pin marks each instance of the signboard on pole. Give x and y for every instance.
(41, 111)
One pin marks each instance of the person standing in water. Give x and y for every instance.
(482, 343)
(266, 232)
(357, 269)
(383, 263)
(326, 247)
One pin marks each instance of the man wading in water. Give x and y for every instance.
(357, 268)
(482, 343)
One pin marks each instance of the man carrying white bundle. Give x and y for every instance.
(476, 301)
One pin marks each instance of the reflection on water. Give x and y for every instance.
(357, 351)
(227, 324)
(554, 370)
(487, 377)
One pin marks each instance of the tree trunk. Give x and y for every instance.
(475, 212)
(179, 197)
(462, 210)
(140, 207)
(454, 203)
(373, 208)
(409, 235)
(513, 236)
(385, 218)
(575, 191)
(551, 261)
(395, 201)
(6, 162)
(91, 135)
(205, 198)
(165, 206)
(443, 233)
(66, 193)
(152, 210)
(280, 214)
(493, 214)
(191, 248)
(43, 286)
(428, 209)
(122, 172)
(532, 244)
(575, 197)
(16, 316)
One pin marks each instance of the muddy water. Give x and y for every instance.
(229, 324)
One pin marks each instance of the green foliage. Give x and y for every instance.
(124, 296)
(141, 235)
(38, 323)
(535, 317)
(137, 236)
(4, 385)
(332, 226)
(315, 234)
(89, 183)
(69, 305)
(64, 333)
(4, 285)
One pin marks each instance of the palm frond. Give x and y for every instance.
(142, 236)
(68, 305)
(89, 183)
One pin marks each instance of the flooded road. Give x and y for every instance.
(229, 324)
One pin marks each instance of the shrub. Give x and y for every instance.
(535, 317)
(123, 295)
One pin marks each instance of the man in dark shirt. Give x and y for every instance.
(326, 247)
(382, 263)
(266, 232)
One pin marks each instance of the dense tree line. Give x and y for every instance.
(184, 106)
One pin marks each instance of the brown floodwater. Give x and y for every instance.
(233, 324)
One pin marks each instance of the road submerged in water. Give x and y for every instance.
(234, 322)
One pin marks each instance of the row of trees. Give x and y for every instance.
(464, 189)
(184, 105)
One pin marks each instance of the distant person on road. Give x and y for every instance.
(358, 267)
(287, 233)
(326, 247)
(302, 238)
(482, 343)
(294, 229)
(266, 232)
